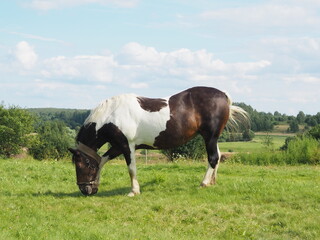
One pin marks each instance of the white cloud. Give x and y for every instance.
(302, 78)
(139, 85)
(90, 68)
(182, 63)
(305, 45)
(135, 54)
(137, 66)
(45, 5)
(25, 55)
(143, 68)
(289, 55)
(267, 15)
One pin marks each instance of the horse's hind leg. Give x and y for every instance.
(213, 158)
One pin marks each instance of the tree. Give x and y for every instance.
(301, 117)
(311, 120)
(314, 132)
(16, 125)
(53, 140)
(293, 126)
(268, 141)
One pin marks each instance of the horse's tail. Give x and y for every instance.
(236, 116)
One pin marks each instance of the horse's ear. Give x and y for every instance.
(73, 151)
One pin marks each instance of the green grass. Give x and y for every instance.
(40, 200)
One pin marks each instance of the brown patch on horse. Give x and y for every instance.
(152, 104)
(183, 124)
(196, 110)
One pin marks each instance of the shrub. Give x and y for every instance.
(248, 135)
(305, 150)
(302, 150)
(15, 127)
(263, 158)
(194, 149)
(314, 132)
(52, 140)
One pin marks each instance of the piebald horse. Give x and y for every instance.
(129, 122)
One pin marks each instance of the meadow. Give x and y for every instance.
(40, 200)
(255, 145)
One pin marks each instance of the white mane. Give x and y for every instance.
(107, 107)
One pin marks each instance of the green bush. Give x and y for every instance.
(16, 125)
(248, 135)
(52, 140)
(302, 150)
(194, 149)
(314, 132)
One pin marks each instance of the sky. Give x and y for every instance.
(76, 53)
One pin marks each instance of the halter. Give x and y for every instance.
(88, 151)
(91, 153)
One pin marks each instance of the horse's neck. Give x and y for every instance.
(87, 136)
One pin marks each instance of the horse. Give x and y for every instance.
(129, 122)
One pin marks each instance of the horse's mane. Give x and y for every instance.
(105, 108)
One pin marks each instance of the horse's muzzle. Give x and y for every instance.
(88, 189)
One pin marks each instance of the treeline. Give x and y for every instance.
(265, 122)
(73, 118)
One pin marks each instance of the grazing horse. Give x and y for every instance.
(129, 122)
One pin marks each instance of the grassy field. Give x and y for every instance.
(256, 145)
(40, 200)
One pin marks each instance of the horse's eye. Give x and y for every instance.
(87, 161)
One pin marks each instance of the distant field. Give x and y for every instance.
(256, 145)
(40, 200)
(282, 128)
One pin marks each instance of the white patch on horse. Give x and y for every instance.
(138, 125)
(133, 173)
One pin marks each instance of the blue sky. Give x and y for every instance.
(73, 54)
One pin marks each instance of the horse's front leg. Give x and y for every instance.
(131, 163)
(109, 155)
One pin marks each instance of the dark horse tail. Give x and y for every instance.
(236, 116)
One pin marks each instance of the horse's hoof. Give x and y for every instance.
(203, 185)
(132, 194)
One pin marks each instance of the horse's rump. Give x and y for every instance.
(193, 111)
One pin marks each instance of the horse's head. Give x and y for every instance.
(87, 169)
